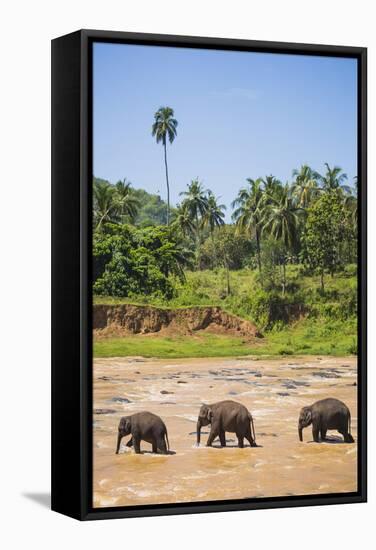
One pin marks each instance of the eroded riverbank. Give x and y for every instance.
(273, 390)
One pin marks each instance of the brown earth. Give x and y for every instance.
(110, 320)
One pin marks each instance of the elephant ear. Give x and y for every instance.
(125, 424)
(209, 414)
(308, 415)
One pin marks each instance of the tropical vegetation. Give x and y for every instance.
(282, 255)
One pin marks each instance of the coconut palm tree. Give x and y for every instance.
(106, 207)
(164, 128)
(196, 200)
(128, 203)
(333, 180)
(304, 187)
(184, 222)
(280, 221)
(249, 206)
(272, 187)
(196, 204)
(214, 214)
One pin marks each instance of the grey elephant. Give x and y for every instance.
(326, 414)
(144, 426)
(226, 416)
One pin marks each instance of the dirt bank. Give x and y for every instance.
(274, 391)
(132, 319)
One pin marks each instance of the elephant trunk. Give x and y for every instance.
(300, 430)
(198, 431)
(118, 443)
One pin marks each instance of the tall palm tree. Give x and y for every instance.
(196, 200)
(333, 180)
(164, 128)
(184, 222)
(304, 187)
(214, 214)
(106, 207)
(281, 219)
(272, 187)
(249, 206)
(196, 204)
(128, 202)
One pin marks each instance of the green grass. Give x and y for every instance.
(329, 329)
(305, 338)
(208, 288)
(208, 345)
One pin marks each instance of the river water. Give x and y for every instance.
(273, 390)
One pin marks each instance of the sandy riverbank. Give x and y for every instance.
(273, 390)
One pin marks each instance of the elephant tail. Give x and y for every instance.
(167, 441)
(349, 422)
(253, 433)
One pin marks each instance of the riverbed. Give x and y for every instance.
(273, 390)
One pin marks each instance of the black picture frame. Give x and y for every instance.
(71, 273)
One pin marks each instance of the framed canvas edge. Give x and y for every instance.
(87, 512)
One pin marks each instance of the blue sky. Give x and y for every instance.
(240, 115)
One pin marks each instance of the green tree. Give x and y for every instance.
(239, 248)
(214, 214)
(184, 223)
(304, 187)
(132, 262)
(351, 203)
(324, 234)
(196, 204)
(127, 200)
(106, 208)
(165, 127)
(333, 180)
(280, 221)
(113, 203)
(272, 187)
(248, 213)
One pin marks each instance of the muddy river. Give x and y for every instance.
(273, 390)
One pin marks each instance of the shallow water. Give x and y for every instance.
(273, 390)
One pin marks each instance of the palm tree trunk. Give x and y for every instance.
(258, 249)
(198, 244)
(322, 280)
(228, 278)
(168, 185)
(283, 277)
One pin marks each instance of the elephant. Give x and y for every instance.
(144, 426)
(326, 414)
(226, 416)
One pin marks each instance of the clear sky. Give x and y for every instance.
(240, 115)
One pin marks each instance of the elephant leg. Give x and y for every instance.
(347, 438)
(154, 447)
(222, 438)
(250, 439)
(130, 443)
(315, 433)
(240, 441)
(323, 433)
(162, 446)
(214, 432)
(136, 445)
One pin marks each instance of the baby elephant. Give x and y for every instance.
(144, 426)
(226, 416)
(327, 414)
